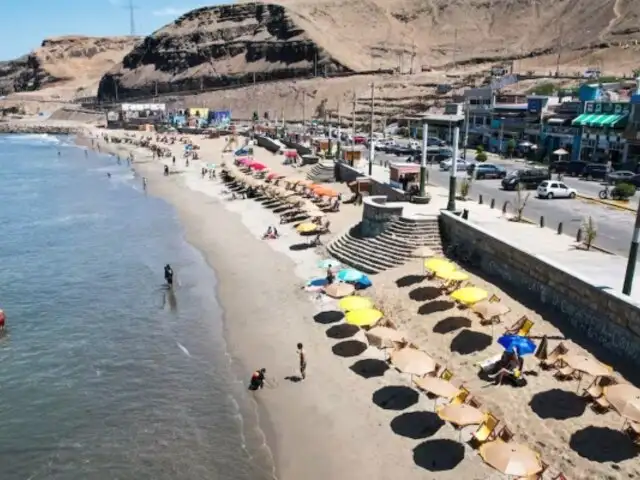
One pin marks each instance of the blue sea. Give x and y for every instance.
(104, 373)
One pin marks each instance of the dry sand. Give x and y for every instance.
(330, 426)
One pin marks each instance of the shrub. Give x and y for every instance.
(590, 232)
(481, 156)
(624, 191)
(519, 203)
(464, 188)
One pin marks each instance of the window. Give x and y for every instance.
(554, 185)
(562, 185)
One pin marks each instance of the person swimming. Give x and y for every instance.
(168, 274)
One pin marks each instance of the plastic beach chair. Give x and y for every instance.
(461, 397)
(526, 328)
(517, 325)
(504, 435)
(486, 431)
(554, 356)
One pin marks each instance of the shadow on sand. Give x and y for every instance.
(602, 444)
(328, 316)
(435, 306)
(298, 247)
(395, 397)
(416, 425)
(438, 455)
(409, 280)
(344, 330)
(424, 294)
(469, 341)
(349, 348)
(557, 404)
(451, 324)
(369, 368)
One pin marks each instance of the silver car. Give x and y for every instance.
(461, 165)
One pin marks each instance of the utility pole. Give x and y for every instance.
(413, 57)
(633, 256)
(339, 122)
(304, 113)
(465, 140)
(353, 124)
(423, 163)
(455, 47)
(315, 64)
(372, 150)
(560, 45)
(451, 205)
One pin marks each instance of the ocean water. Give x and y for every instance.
(104, 374)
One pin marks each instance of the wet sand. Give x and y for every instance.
(332, 425)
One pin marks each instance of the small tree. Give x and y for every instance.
(519, 203)
(481, 155)
(255, 117)
(464, 188)
(590, 232)
(511, 147)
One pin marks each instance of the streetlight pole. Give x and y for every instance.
(633, 256)
(423, 163)
(372, 150)
(451, 206)
(465, 140)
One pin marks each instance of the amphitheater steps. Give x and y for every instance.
(322, 172)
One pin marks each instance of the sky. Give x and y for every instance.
(25, 23)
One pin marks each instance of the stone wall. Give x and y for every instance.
(349, 174)
(376, 213)
(605, 317)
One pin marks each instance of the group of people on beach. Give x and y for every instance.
(258, 378)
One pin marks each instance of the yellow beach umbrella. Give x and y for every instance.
(363, 318)
(439, 265)
(354, 302)
(469, 295)
(306, 227)
(452, 275)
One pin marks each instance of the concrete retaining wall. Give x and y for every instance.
(349, 174)
(376, 214)
(606, 317)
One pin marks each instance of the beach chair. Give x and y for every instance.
(517, 325)
(554, 356)
(486, 431)
(488, 364)
(525, 329)
(565, 373)
(474, 402)
(504, 435)
(494, 298)
(633, 430)
(446, 374)
(595, 393)
(461, 397)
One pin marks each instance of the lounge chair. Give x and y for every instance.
(565, 373)
(525, 329)
(461, 397)
(486, 431)
(488, 364)
(517, 325)
(446, 374)
(504, 434)
(494, 298)
(554, 356)
(474, 402)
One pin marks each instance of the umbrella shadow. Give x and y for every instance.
(416, 425)
(451, 324)
(409, 280)
(557, 404)
(298, 247)
(469, 341)
(349, 348)
(395, 397)
(603, 444)
(424, 294)
(435, 306)
(369, 368)
(438, 455)
(344, 330)
(328, 316)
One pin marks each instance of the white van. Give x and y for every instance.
(592, 73)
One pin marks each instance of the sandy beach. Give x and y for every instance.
(337, 424)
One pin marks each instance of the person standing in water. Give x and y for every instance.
(168, 275)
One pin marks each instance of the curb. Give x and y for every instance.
(624, 206)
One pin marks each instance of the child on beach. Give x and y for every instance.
(302, 357)
(257, 379)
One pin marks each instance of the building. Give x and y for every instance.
(632, 132)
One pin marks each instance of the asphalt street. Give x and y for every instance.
(615, 227)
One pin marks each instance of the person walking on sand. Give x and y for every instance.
(144, 183)
(302, 357)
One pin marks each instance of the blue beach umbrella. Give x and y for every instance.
(521, 345)
(349, 275)
(328, 263)
(317, 282)
(363, 282)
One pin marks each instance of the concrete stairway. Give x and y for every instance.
(392, 248)
(322, 172)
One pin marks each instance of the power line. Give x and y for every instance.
(132, 21)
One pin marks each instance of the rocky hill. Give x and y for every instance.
(72, 64)
(249, 42)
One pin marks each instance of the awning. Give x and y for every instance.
(600, 120)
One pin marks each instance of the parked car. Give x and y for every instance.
(461, 165)
(595, 171)
(527, 179)
(620, 176)
(550, 189)
(573, 168)
(486, 170)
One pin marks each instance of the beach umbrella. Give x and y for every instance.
(349, 275)
(469, 295)
(490, 310)
(423, 252)
(316, 284)
(439, 265)
(385, 337)
(452, 275)
(328, 263)
(355, 303)
(586, 364)
(412, 361)
(511, 458)
(306, 227)
(257, 166)
(339, 290)
(521, 345)
(437, 386)
(625, 399)
(560, 152)
(461, 414)
(363, 318)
